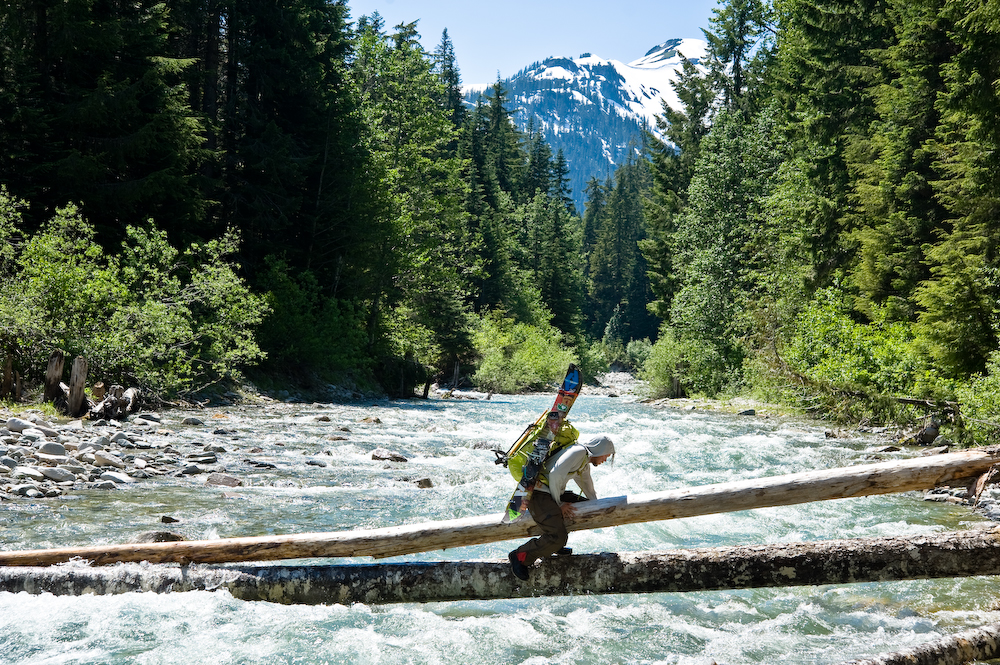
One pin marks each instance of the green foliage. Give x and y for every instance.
(679, 366)
(170, 322)
(980, 400)
(828, 345)
(519, 356)
(305, 331)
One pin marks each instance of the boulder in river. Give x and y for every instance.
(381, 454)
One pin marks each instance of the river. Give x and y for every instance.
(324, 479)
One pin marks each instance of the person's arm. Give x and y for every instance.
(586, 482)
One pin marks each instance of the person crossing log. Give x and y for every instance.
(863, 480)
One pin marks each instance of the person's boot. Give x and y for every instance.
(517, 565)
(564, 551)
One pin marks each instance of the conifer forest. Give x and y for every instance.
(197, 189)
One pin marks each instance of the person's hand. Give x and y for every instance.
(568, 510)
(524, 504)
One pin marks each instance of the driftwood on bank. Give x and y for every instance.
(965, 647)
(956, 554)
(117, 404)
(862, 480)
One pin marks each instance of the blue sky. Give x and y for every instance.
(505, 35)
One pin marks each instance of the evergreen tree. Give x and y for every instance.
(672, 167)
(99, 118)
(422, 252)
(958, 321)
(617, 270)
(895, 206)
(448, 72)
(721, 252)
(825, 72)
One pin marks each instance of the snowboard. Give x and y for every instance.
(567, 394)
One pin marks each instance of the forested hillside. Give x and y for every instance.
(194, 188)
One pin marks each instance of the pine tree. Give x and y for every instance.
(447, 70)
(898, 213)
(672, 167)
(957, 323)
(100, 119)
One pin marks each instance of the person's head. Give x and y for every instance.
(554, 419)
(600, 450)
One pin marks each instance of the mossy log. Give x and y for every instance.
(978, 644)
(862, 480)
(957, 554)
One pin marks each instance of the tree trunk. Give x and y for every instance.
(77, 383)
(864, 480)
(957, 554)
(965, 647)
(53, 376)
(7, 383)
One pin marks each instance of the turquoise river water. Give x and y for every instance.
(446, 441)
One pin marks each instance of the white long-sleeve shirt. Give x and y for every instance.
(571, 463)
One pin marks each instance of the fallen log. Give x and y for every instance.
(955, 554)
(863, 480)
(965, 647)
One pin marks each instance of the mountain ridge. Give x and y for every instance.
(595, 110)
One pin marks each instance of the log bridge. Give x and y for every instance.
(966, 553)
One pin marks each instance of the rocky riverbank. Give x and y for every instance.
(42, 459)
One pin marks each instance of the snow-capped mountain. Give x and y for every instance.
(593, 108)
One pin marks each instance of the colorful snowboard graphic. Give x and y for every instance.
(536, 457)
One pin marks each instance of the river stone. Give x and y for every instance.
(93, 446)
(18, 425)
(191, 420)
(58, 475)
(52, 459)
(223, 480)
(105, 485)
(157, 537)
(52, 448)
(32, 434)
(116, 477)
(29, 491)
(316, 462)
(103, 458)
(28, 472)
(5, 470)
(192, 470)
(8, 462)
(381, 454)
(151, 417)
(49, 432)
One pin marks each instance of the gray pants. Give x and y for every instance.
(548, 516)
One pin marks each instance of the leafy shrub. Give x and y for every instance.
(980, 400)
(518, 356)
(307, 331)
(167, 321)
(676, 366)
(829, 345)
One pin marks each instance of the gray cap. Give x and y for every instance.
(600, 446)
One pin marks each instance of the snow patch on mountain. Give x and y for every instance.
(594, 109)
